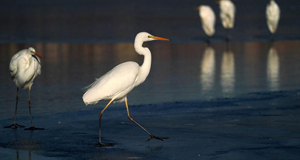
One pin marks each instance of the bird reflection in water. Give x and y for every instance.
(227, 71)
(207, 76)
(273, 66)
(18, 155)
(24, 146)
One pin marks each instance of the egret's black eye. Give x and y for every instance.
(149, 36)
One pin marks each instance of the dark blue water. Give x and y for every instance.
(179, 72)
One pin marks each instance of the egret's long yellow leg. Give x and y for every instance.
(151, 135)
(29, 106)
(100, 115)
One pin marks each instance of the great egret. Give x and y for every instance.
(208, 19)
(24, 67)
(227, 14)
(273, 15)
(118, 82)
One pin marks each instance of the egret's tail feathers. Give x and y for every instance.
(88, 103)
(91, 85)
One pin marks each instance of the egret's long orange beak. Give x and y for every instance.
(37, 55)
(160, 38)
(197, 8)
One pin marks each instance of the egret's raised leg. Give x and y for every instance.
(100, 115)
(29, 105)
(151, 135)
(15, 125)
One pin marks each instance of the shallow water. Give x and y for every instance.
(219, 101)
(180, 72)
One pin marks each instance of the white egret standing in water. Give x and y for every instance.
(118, 82)
(208, 19)
(227, 14)
(24, 67)
(272, 15)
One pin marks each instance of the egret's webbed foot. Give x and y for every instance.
(32, 128)
(14, 126)
(154, 137)
(104, 144)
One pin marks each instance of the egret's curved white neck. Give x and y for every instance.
(146, 66)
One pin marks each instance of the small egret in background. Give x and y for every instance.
(118, 82)
(227, 14)
(208, 19)
(273, 15)
(24, 67)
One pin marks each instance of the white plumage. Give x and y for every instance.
(272, 15)
(24, 67)
(118, 82)
(227, 13)
(115, 84)
(208, 19)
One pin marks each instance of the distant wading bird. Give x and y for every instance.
(227, 14)
(208, 20)
(24, 67)
(273, 15)
(118, 82)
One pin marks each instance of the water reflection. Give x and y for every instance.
(24, 145)
(207, 76)
(273, 69)
(22, 156)
(227, 71)
(68, 67)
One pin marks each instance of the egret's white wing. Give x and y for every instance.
(114, 82)
(13, 65)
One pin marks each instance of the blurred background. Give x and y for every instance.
(116, 21)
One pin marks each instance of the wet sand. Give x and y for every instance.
(251, 126)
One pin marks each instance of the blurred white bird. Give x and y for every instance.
(227, 14)
(273, 15)
(118, 82)
(208, 19)
(24, 67)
